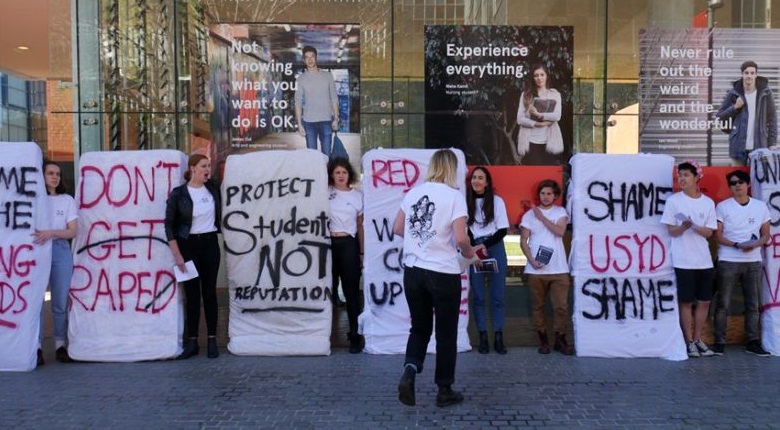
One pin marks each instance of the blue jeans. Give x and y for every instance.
(322, 130)
(749, 276)
(432, 295)
(59, 285)
(497, 284)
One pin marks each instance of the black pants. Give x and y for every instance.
(346, 267)
(432, 295)
(538, 156)
(203, 250)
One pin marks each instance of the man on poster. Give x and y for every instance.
(316, 103)
(750, 107)
(743, 229)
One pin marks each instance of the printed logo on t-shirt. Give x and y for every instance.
(751, 220)
(421, 220)
(60, 212)
(332, 196)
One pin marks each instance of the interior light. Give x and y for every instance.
(23, 48)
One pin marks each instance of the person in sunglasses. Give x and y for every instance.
(743, 229)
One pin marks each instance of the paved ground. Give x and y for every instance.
(520, 390)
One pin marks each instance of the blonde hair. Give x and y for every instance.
(443, 168)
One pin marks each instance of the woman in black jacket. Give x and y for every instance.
(192, 217)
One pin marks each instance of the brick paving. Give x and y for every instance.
(520, 390)
(342, 391)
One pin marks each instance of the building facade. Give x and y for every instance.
(139, 74)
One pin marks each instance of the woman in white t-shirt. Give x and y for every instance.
(488, 224)
(539, 140)
(192, 221)
(63, 227)
(346, 239)
(432, 222)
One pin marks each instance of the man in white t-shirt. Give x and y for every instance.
(743, 229)
(690, 217)
(541, 238)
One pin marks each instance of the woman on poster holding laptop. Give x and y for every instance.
(539, 141)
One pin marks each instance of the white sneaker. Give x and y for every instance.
(693, 352)
(702, 348)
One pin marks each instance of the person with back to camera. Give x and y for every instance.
(192, 221)
(346, 238)
(750, 106)
(432, 274)
(316, 103)
(743, 230)
(64, 226)
(690, 218)
(541, 239)
(539, 140)
(488, 224)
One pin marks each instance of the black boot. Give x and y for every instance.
(561, 344)
(61, 354)
(484, 348)
(355, 344)
(498, 343)
(406, 386)
(190, 349)
(211, 348)
(447, 397)
(544, 344)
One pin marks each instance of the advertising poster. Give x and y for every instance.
(689, 80)
(385, 321)
(254, 77)
(481, 95)
(625, 293)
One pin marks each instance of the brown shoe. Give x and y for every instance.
(562, 346)
(41, 361)
(62, 355)
(544, 344)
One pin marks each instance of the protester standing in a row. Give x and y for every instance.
(63, 228)
(432, 221)
(488, 224)
(346, 238)
(192, 220)
(690, 218)
(743, 229)
(541, 239)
